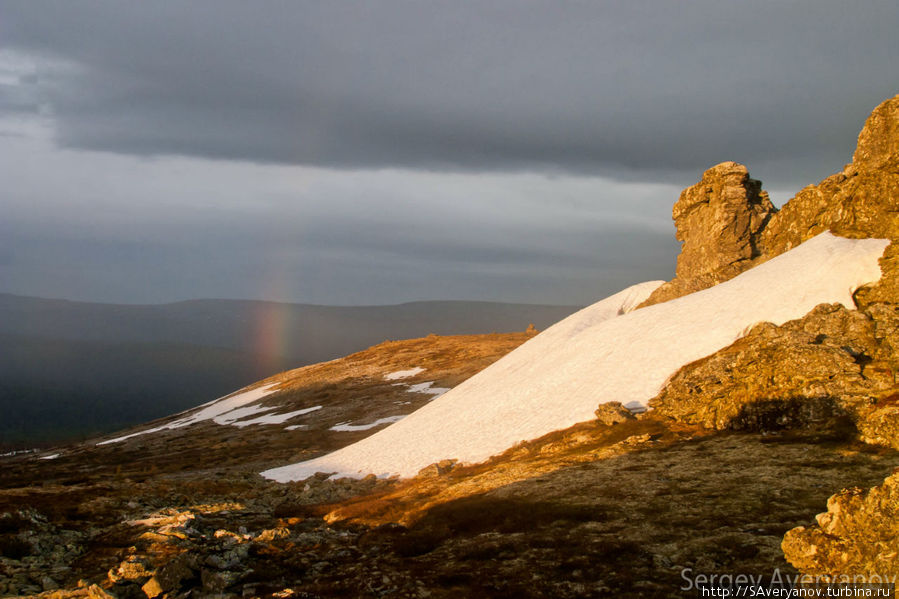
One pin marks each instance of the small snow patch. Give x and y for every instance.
(225, 410)
(427, 389)
(276, 418)
(52, 456)
(17, 452)
(294, 427)
(403, 374)
(233, 416)
(364, 427)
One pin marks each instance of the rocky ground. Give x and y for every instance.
(597, 510)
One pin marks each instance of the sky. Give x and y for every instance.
(356, 153)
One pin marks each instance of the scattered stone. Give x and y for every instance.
(216, 582)
(97, 592)
(438, 468)
(134, 569)
(272, 534)
(613, 413)
(168, 578)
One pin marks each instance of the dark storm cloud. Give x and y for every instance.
(623, 88)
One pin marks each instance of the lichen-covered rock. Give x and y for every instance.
(861, 201)
(133, 569)
(880, 425)
(168, 578)
(438, 468)
(857, 535)
(814, 371)
(878, 143)
(97, 592)
(886, 290)
(719, 220)
(613, 413)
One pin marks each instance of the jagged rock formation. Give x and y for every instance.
(858, 534)
(719, 221)
(862, 201)
(833, 362)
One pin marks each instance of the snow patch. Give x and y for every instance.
(403, 374)
(233, 416)
(605, 352)
(225, 410)
(52, 456)
(427, 388)
(364, 427)
(17, 452)
(276, 418)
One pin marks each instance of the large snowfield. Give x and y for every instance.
(605, 352)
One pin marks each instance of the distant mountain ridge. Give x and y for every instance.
(307, 333)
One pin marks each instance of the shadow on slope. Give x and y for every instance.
(633, 525)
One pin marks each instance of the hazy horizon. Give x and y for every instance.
(246, 299)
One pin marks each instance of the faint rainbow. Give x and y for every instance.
(271, 323)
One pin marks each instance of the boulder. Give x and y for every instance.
(858, 535)
(438, 468)
(134, 569)
(612, 413)
(169, 577)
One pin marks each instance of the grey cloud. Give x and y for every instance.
(628, 89)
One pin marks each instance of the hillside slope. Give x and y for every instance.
(603, 353)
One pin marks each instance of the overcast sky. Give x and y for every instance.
(388, 151)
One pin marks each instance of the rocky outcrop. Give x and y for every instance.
(832, 363)
(857, 536)
(861, 201)
(718, 220)
(835, 368)
(826, 369)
